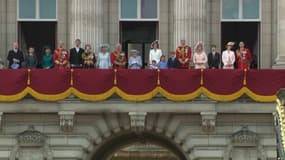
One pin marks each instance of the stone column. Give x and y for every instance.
(87, 22)
(190, 21)
(280, 60)
(3, 29)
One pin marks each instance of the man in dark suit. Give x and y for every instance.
(76, 55)
(214, 59)
(15, 57)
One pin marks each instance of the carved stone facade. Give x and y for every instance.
(244, 138)
(138, 120)
(31, 145)
(208, 121)
(66, 121)
(180, 133)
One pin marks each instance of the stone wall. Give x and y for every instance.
(199, 136)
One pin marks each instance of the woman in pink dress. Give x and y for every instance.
(200, 58)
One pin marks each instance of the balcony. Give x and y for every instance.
(141, 85)
(194, 91)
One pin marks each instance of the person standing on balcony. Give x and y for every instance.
(61, 56)
(135, 61)
(118, 58)
(89, 58)
(15, 57)
(47, 59)
(228, 56)
(163, 63)
(104, 58)
(31, 60)
(172, 62)
(200, 58)
(155, 53)
(243, 56)
(76, 55)
(183, 55)
(214, 58)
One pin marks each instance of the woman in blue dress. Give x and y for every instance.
(103, 58)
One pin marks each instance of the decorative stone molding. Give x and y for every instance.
(31, 138)
(66, 120)
(244, 138)
(208, 121)
(1, 115)
(138, 120)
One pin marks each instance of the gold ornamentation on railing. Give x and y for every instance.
(71, 77)
(29, 77)
(115, 77)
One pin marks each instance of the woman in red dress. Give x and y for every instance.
(243, 56)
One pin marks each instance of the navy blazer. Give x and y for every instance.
(214, 61)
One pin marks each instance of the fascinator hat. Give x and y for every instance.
(155, 42)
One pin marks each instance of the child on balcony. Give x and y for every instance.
(162, 63)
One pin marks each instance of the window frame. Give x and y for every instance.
(37, 18)
(139, 18)
(240, 14)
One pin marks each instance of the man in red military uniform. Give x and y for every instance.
(243, 56)
(183, 55)
(61, 56)
(118, 58)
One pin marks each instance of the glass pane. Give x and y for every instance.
(48, 9)
(230, 9)
(129, 9)
(27, 9)
(149, 8)
(251, 9)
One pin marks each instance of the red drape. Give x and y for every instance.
(53, 81)
(223, 82)
(13, 81)
(93, 81)
(265, 82)
(137, 82)
(180, 81)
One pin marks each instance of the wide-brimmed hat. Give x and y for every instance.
(105, 46)
(134, 51)
(230, 44)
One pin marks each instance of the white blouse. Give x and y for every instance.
(228, 59)
(155, 55)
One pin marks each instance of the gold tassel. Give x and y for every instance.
(244, 77)
(29, 77)
(115, 77)
(202, 77)
(71, 77)
(158, 77)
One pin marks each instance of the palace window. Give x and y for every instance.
(245, 10)
(37, 10)
(139, 9)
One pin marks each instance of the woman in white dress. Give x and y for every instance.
(200, 58)
(228, 57)
(103, 58)
(155, 53)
